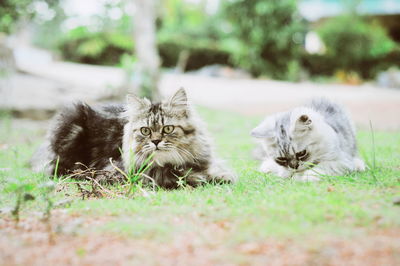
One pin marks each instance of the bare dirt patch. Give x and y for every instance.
(76, 241)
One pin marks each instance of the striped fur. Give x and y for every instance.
(184, 152)
(91, 136)
(309, 141)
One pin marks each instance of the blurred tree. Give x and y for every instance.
(352, 44)
(269, 35)
(148, 61)
(103, 47)
(191, 35)
(10, 11)
(13, 10)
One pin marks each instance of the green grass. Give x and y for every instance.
(256, 207)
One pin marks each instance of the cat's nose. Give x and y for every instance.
(294, 164)
(156, 141)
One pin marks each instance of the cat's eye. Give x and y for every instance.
(281, 161)
(301, 154)
(168, 129)
(145, 131)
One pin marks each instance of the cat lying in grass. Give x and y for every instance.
(164, 142)
(308, 142)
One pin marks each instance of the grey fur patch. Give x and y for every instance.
(317, 134)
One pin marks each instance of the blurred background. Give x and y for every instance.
(248, 56)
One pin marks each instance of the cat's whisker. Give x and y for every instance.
(178, 157)
(185, 152)
(188, 153)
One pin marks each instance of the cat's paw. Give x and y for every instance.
(306, 178)
(264, 168)
(359, 165)
(226, 178)
(220, 174)
(195, 179)
(268, 166)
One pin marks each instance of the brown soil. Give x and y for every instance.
(76, 242)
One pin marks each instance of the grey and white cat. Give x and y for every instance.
(169, 132)
(309, 141)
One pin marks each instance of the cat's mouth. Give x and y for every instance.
(158, 149)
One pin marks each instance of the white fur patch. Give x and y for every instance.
(330, 145)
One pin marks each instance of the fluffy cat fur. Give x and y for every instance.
(169, 132)
(308, 142)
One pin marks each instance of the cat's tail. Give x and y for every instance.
(42, 160)
(66, 137)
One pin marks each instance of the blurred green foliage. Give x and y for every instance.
(102, 48)
(188, 28)
(11, 11)
(263, 37)
(352, 44)
(269, 35)
(183, 27)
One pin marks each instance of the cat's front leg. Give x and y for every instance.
(218, 173)
(359, 164)
(195, 179)
(307, 176)
(269, 166)
(331, 168)
(315, 173)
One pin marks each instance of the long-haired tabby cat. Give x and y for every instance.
(309, 141)
(169, 133)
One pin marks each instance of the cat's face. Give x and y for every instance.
(290, 140)
(162, 130)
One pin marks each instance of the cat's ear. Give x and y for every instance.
(261, 131)
(179, 99)
(136, 102)
(266, 128)
(303, 122)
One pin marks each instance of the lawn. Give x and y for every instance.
(261, 219)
